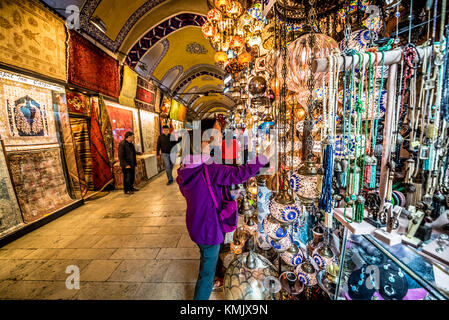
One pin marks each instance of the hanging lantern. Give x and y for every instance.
(257, 27)
(257, 85)
(245, 22)
(293, 256)
(299, 55)
(306, 273)
(245, 58)
(244, 277)
(273, 228)
(221, 4)
(234, 9)
(306, 183)
(323, 256)
(254, 41)
(214, 16)
(209, 31)
(237, 42)
(283, 244)
(221, 57)
(256, 11)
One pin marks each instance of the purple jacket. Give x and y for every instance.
(201, 215)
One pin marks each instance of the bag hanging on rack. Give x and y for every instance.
(228, 215)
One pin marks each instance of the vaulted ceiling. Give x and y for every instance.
(159, 39)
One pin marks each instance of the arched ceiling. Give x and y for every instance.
(160, 39)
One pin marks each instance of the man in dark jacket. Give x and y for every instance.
(128, 162)
(164, 147)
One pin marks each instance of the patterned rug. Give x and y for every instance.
(101, 167)
(91, 68)
(39, 181)
(10, 216)
(80, 131)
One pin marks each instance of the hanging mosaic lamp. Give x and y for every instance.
(306, 183)
(256, 11)
(243, 279)
(299, 55)
(293, 256)
(221, 57)
(283, 206)
(209, 30)
(306, 272)
(323, 256)
(245, 22)
(283, 244)
(244, 58)
(214, 16)
(221, 4)
(234, 9)
(237, 42)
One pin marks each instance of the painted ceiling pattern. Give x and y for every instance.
(89, 8)
(161, 31)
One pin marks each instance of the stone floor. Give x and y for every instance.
(125, 246)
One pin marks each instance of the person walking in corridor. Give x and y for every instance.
(128, 162)
(201, 182)
(164, 147)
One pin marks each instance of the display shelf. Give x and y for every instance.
(354, 227)
(365, 252)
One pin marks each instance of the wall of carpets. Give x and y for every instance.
(34, 117)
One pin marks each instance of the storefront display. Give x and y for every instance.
(150, 125)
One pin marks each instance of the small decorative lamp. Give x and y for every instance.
(245, 58)
(209, 31)
(214, 16)
(221, 4)
(221, 57)
(234, 9)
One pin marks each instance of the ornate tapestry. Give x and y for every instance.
(91, 68)
(106, 128)
(150, 165)
(27, 114)
(78, 103)
(101, 166)
(39, 182)
(10, 216)
(145, 96)
(32, 38)
(60, 108)
(80, 131)
(148, 120)
(121, 122)
(157, 101)
(129, 85)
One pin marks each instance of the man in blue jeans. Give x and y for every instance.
(164, 147)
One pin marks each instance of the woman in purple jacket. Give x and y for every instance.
(202, 219)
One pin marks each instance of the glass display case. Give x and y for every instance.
(373, 270)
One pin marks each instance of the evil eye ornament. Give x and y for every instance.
(282, 244)
(284, 213)
(318, 260)
(292, 259)
(294, 182)
(272, 229)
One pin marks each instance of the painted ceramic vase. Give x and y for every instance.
(293, 257)
(237, 248)
(284, 213)
(282, 244)
(273, 228)
(323, 256)
(306, 273)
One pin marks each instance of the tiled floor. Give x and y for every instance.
(125, 246)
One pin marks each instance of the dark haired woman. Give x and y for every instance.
(202, 218)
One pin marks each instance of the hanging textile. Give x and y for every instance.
(60, 108)
(145, 96)
(106, 127)
(148, 120)
(27, 114)
(10, 216)
(182, 113)
(122, 122)
(174, 110)
(101, 167)
(39, 182)
(129, 86)
(32, 38)
(78, 103)
(80, 131)
(91, 68)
